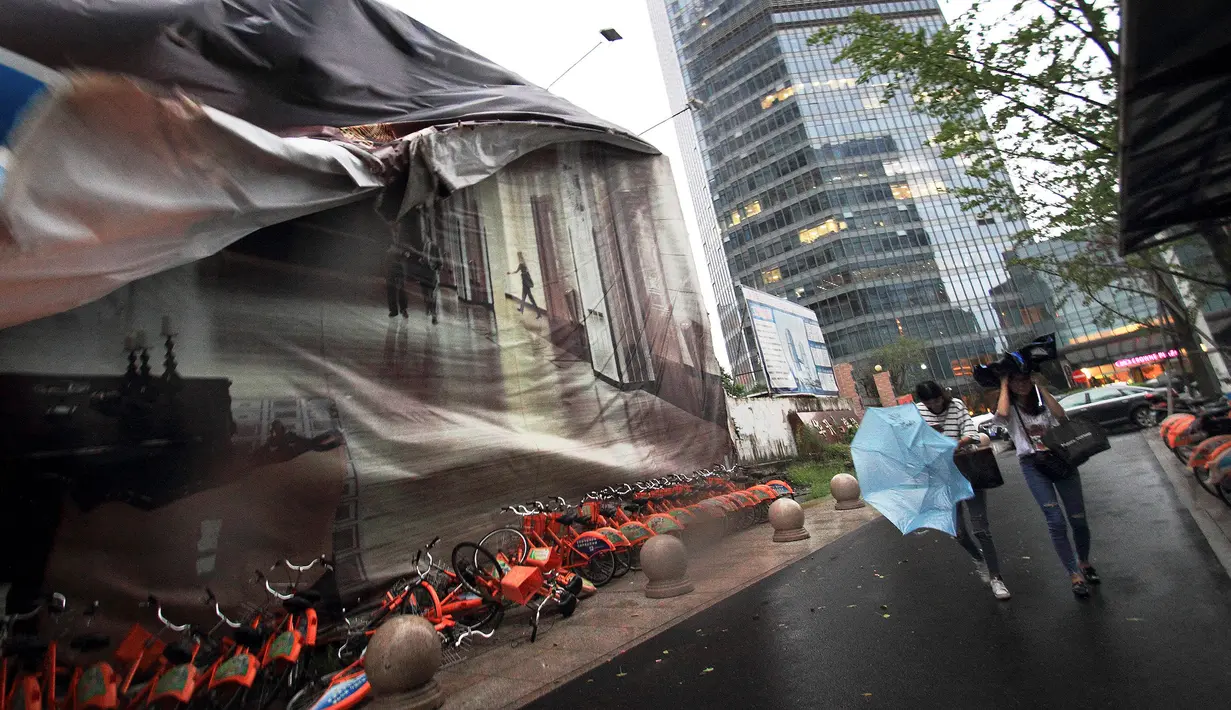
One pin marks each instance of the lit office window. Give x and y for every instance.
(901, 192)
(752, 208)
(829, 226)
(771, 276)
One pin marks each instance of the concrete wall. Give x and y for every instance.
(759, 426)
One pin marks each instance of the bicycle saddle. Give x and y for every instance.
(606, 510)
(250, 638)
(568, 518)
(178, 653)
(89, 643)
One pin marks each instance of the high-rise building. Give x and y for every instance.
(829, 195)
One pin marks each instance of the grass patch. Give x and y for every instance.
(814, 475)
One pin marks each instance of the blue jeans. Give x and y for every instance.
(1049, 495)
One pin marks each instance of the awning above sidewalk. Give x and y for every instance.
(1175, 113)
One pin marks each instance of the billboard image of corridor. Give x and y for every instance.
(352, 385)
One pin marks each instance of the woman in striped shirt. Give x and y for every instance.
(949, 416)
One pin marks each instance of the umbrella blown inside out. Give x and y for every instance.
(906, 470)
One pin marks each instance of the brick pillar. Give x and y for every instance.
(884, 389)
(844, 374)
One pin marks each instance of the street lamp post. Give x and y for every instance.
(691, 105)
(609, 35)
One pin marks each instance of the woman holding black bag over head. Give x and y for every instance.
(1030, 412)
(949, 416)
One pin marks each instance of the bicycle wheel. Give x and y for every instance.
(1202, 475)
(509, 541)
(477, 569)
(599, 568)
(623, 563)
(423, 601)
(269, 686)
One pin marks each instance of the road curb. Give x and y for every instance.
(1212, 517)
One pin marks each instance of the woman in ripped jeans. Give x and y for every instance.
(1029, 412)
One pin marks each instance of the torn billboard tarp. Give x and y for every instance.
(108, 183)
(539, 333)
(283, 64)
(1175, 116)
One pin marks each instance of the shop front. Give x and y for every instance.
(1132, 360)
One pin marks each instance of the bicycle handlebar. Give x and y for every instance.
(153, 601)
(304, 568)
(472, 632)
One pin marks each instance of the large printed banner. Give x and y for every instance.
(792, 347)
(346, 386)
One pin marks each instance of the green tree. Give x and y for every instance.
(1027, 103)
(901, 359)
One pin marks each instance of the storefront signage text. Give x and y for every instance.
(1147, 358)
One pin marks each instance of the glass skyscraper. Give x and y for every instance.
(828, 195)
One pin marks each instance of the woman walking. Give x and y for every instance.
(1029, 412)
(949, 416)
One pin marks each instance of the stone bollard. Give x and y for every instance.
(401, 662)
(787, 518)
(664, 559)
(845, 490)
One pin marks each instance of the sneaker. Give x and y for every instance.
(1001, 591)
(982, 571)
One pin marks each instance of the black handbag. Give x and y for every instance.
(980, 468)
(1052, 466)
(1076, 440)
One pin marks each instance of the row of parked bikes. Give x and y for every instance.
(285, 653)
(1201, 439)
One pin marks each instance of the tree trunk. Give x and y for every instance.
(1203, 371)
(1219, 241)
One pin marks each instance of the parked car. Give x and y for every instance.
(1112, 405)
(994, 431)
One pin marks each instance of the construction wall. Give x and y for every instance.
(762, 430)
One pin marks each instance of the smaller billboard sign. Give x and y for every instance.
(793, 352)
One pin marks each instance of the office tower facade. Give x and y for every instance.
(729, 308)
(827, 194)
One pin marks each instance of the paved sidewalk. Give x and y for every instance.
(1211, 514)
(516, 672)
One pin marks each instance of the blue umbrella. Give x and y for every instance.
(906, 470)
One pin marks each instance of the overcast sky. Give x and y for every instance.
(621, 81)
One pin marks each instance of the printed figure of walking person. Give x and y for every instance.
(429, 279)
(527, 283)
(395, 280)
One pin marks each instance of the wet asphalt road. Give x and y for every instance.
(1156, 634)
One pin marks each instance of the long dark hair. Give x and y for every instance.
(1031, 403)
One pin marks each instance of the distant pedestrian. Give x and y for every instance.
(395, 280)
(948, 415)
(429, 278)
(527, 283)
(1029, 411)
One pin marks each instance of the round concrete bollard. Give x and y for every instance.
(845, 490)
(664, 559)
(401, 662)
(787, 518)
